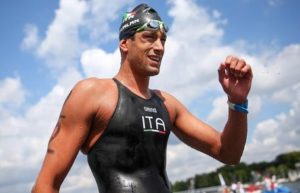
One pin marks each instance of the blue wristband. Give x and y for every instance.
(242, 107)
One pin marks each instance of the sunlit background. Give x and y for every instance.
(47, 46)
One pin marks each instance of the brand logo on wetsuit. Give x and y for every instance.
(150, 109)
(152, 124)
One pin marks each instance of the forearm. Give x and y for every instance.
(235, 77)
(233, 137)
(44, 188)
(53, 172)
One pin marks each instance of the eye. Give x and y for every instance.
(163, 39)
(149, 36)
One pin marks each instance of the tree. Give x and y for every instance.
(289, 159)
(243, 172)
(180, 186)
(282, 171)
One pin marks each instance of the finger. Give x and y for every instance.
(222, 72)
(246, 71)
(228, 59)
(241, 63)
(249, 72)
(239, 70)
(232, 66)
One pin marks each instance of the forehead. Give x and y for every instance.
(158, 33)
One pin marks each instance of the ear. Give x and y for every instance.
(123, 44)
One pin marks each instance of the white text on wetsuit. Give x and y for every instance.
(150, 109)
(151, 124)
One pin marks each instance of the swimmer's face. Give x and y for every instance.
(146, 50)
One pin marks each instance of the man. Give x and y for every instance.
(123, 126)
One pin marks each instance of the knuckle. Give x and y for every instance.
(242, 61)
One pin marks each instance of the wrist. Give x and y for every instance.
(237, 100)
(239, 107)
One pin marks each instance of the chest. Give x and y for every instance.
(140, 117)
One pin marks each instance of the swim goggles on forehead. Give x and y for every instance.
(153, 25)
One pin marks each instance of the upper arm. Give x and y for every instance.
(69, 134)
(192, 130)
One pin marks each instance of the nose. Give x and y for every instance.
(159, 46)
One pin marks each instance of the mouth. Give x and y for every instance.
(155, 59)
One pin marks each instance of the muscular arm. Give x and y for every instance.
(235, 77)
(68, 136)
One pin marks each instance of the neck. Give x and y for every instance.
(136, 83)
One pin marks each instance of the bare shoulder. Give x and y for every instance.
(93, 84)
(91, 93)
(166, 97)
(171, 103)
(101, 96)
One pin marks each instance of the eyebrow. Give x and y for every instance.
(155, 33)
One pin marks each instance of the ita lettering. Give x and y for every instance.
(151, 124)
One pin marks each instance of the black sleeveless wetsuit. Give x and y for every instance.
(130, 156)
